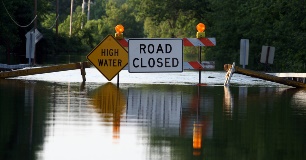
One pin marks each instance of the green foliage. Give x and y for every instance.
(98, 9)
(281, 24)
(272, 23)
(122, 14)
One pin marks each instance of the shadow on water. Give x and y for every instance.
(260, 123)
(172, 121)
(21, 114)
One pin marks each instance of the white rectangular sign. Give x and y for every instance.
(267, 54)
(155, 55)
(244, 52)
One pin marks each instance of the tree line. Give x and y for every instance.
(277, 23)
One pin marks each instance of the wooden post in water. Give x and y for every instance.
(83, 73)
(266, 76)
(118, 80)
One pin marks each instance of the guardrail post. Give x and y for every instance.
(83, 72)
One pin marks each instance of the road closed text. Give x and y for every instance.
(155, 62)
(155, 55)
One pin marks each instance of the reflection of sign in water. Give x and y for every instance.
(162, 108)
(110, 101)
(174, 113)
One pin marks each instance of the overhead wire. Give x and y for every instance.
(15, 21)
(54, 23)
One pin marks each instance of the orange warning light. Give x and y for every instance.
(119, 28)
(201, 27)
(119, 31)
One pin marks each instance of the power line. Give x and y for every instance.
(53, 23)
(15, 21)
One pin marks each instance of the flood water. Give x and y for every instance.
(48, 120)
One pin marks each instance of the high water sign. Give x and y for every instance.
(109, 57)
(155, 55)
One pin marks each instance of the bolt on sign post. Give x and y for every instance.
(109, 57)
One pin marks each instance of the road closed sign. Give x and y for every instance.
(155, 55)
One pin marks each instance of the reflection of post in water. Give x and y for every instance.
(29, 102)
(68, 98)
(228, 102)
(243, 103)
(82, 86)
(197, 128)
(111, 103)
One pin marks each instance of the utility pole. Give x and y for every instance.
(35, 13)
(71, 9)
(88, 13)
(83, 8)
(56, 27)
(35, 26)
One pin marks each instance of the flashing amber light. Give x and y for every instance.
(119, 31)
(201, 27)
(119, 28)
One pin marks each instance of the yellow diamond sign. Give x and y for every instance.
(109, 57)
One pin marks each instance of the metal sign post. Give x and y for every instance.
(200, 57)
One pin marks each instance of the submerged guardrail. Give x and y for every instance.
(235, 69)
(47, 69)
(192, 65)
